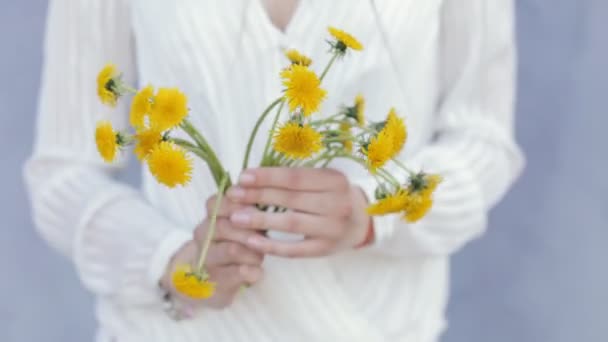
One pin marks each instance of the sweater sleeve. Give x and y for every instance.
(118, 243)
(474, 148)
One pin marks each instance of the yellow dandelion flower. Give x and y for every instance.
(344, 41)
(425, 183)
(356, 111)
(107, 83)
(378, 151)
(169, 109)
(295, 57)
(302, 89)
(297, 141)
(392, 203)
(345, 129)
(395, 127)
(141, 106)
(191, 284)
(107, 140)
(417, 206)
(420, 195)
(146, 140)
(170, 164)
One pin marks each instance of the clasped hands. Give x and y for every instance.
(323, 207)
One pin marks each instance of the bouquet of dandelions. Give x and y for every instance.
(297, 139)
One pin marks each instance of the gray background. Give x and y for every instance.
(539, 275)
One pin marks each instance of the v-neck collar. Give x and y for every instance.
(291, 29)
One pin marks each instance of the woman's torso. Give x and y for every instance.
(226, 55)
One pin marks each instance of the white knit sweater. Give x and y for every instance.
(447, 66)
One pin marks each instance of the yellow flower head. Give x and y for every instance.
(302, 89)
(170, 164)
(345, 129)
(141, 106)
(146, 141)
(391, 203)
(191, 284)
(107, 140)
(395, 127)
(424, 183)
(343, 41)
(420, 195)
(169, 109)
(378, 151)
(417, 206)
(357, 110)
(297, 141)
(108, 80)
(295, 57)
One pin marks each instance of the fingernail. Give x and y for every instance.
(242, 218)
(255, 241)
(247, 178)
(236, 193)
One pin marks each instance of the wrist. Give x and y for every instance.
(179, 252)
(162, 258)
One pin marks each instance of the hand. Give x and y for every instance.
(230, 263)
(324, 207)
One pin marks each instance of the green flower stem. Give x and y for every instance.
(367, 130)
(401, 165)
(325, 122)
(327, 161)
(380, 172)
(191, 148)
(331, 62)
(340, 139)
(214, 164)
(335, 116)
(281, 159)
(377, 178)
(272, 159)
(122, 88)
(329, 119)
(200, 140)
(129, 89)
(255, 130)
(223, 185)
(313, 162)
(388, 176)
(271, 132)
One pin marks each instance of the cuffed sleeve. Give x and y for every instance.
(474, 148)
(119, 244)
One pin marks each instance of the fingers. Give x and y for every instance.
(233, 276)
(328, 203)
(224, 231)
(303, 249)
(227, 253)
(302, 179)
(291, 221)
(226, 207)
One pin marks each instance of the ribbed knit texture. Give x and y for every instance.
(447, 66)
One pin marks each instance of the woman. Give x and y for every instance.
(446, 65)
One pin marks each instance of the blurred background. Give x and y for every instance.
(538, 275)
